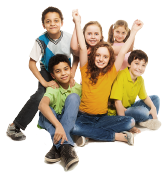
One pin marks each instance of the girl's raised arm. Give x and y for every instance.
(137, 25)
(82, 45)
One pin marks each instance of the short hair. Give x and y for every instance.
(137, 54)
(55, 60)
(51, 9)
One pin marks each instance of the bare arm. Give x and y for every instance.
(47, 112)
(150, 104)
(83, 49)
(120, 108)
(34, 69)
(135, 28)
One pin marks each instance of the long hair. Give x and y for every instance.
(116, 25)
(93, 23)
(92, 69)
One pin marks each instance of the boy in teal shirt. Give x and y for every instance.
(128, 85)
(59, 108)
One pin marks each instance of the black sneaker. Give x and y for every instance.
(15, 133)
(53, 155)
(68, 155)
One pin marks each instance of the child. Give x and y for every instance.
(59, 108)
(47, 45)
(117, 36)
(98, 73)
(128, 84)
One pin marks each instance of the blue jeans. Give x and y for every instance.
(140, 111)
(101, 127)
(67, 118)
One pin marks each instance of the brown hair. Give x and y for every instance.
(51, 9)
(93, 23)
(116, 25)
(92, 69)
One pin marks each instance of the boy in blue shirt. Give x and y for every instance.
(53, 41)
(59, 108)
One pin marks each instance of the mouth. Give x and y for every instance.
(100, 63)
(92, 41)
(64, 78)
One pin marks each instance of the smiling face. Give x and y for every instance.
(137, 68)
(119, 34)
(93, 35)
(53, 24)
(62, 73)
(102, 57)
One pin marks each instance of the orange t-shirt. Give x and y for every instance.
(95, 97)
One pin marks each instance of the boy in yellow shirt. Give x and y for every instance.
(128, 85)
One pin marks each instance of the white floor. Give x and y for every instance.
(97, 160)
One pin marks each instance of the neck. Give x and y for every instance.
(64, 85)
(118, 42)
(55, 36)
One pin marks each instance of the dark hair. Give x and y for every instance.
(51, 9)
(93, 23)
(116, 25)
(137, 54)
(56, 60)
(92, 69)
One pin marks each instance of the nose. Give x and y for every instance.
(93, 36)
(62, 72)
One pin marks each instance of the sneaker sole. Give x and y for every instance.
(152, 124)
(76, 160)
(52, 160)
(16, 138)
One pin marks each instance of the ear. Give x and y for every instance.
(129, 65)
(53, 76)
(43, 26)
(61, 23)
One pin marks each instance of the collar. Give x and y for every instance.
(57, 40)
(64, 91)
(129, 76)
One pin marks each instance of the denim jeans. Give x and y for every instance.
(29, 110)
(67, 118)
(101, 127)
(140, 111)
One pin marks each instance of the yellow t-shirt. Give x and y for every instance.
(95, 97)
(126, 90)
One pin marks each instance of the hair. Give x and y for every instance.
(116, 25)
(93, 23)
(51, 9)
(55, 60)
(137, 54)
(92, 69)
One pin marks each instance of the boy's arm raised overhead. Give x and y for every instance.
(137, 25)
(83, 49)
(74, 43)
(47, 112)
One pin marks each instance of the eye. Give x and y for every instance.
(56, 20)
(96, 33)
(57, 71)
(47, 21)
(66, 68)
(89, 33)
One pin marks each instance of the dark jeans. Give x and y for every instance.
(29, 110)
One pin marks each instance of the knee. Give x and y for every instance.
(155, 99)
(74, 98)
(132, 122)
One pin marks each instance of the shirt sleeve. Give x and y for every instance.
(50, 94)
(142, 92)
(35, 52)
(117, 88)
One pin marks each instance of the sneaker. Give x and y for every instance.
(53, 155)
(81, 140)
(15, 133)
(68, 156)
(152, 124)
(129, 137)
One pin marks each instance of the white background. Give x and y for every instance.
(20, 26)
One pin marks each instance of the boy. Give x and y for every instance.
(59, 108)
(53, 41)
(128, 84)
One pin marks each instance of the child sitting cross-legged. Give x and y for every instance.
(128, 85)
(59, 108)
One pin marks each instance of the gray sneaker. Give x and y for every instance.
(130, 137)
(80, 140)
(152, 124)
(15, 133)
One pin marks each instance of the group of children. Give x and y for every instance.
(103, 108)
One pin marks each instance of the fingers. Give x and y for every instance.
(59, 137)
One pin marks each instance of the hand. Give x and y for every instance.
(137, 25)
(59, 134)
(52, 84)
(71, 82)
(153, 112)
(76, 16)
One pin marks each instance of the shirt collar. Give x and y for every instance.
(64, 91)
(129, 75)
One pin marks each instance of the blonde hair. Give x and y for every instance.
(116, 25)
(93, 23)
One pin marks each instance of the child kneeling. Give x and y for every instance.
(59, 108)
(128, 85)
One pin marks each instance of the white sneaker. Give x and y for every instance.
(152, 124)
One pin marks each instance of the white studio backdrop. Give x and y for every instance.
(20, 26)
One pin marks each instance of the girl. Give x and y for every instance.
(98, 73)
(117, 36)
